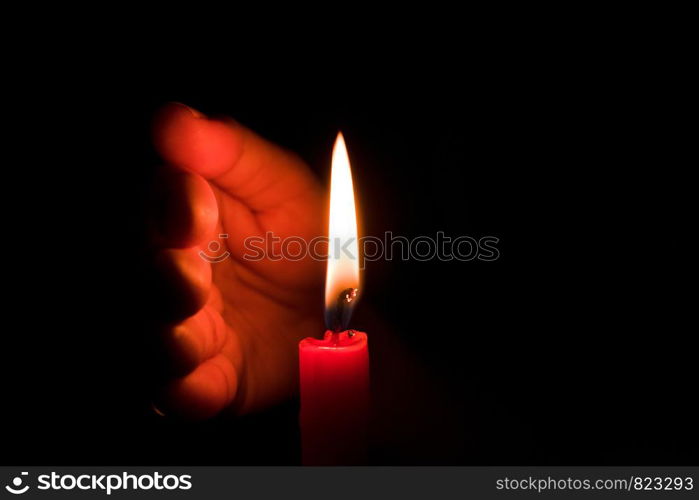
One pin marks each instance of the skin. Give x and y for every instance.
(232, 329)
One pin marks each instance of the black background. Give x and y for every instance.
(572, 348)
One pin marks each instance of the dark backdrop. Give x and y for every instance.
(573, 347)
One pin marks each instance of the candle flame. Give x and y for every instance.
(342, 274)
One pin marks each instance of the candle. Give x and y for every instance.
(334, 371)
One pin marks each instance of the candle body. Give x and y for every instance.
(334, 381)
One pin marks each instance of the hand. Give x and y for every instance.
(234, 325)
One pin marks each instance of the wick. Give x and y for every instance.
(339, 313)
(335, 337)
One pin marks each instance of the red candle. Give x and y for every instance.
(334, 398)
(334, 371)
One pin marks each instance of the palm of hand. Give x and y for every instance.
(268, 306)
(245, 315)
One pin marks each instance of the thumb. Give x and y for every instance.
(247, 167)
